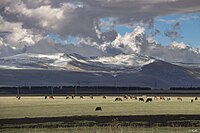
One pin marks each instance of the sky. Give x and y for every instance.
(188, 28)
(159, 28)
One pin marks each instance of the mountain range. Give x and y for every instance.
(131, 60)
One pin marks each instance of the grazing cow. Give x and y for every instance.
(104, 97)
(51, 97)
(141, 99)
(149, 100)
(125, 97)
(118, 99)
(178, 98)
(18, 97)
(81, 97)
(168, 99)
(192, 100)
(156, 98)
(98, 109)
(45, 97)
(162, 98)
(144, 96)
(196, 98)
(67, 97)
(91, 97)
(135, 98)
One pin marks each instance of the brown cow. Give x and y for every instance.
(125, 97)
(179, 98)
(91, 97)
(18, 97)
(51, 97)
(155, 98)
(133, 97)
(168, 99)
(81, 97)
(67, 97)
(162, 98)
(104, 97)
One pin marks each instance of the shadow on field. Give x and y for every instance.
(74, 121)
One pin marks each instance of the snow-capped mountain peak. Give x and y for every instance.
(122, 62)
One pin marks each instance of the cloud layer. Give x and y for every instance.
(28, 23)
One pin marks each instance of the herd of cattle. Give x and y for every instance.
(140, 99)
(155, 98)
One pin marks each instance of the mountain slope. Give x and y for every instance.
(163, 74)
(75, 62)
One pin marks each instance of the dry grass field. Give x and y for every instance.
(37, 106)
(109, 129)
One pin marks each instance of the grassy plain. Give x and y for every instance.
(37, 106)
(108, 129)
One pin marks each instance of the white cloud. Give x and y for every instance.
(17, 35)
(178, 45)
(43, 16)
(5, 2)
(29, 21)
(180, 19)
(128, 43)
(80, 17)
(138, 42)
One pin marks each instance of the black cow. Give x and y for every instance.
(98, 109)
(125, 97)
(104, 97)
(196, 98)
(45, 97)
(149, 100)
(192, 100)
(67, 97)
(118, 99)
(141, 99)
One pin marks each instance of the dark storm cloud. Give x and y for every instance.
(79, 17)
(173, 35)
(30, 21)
